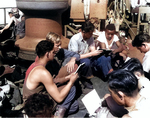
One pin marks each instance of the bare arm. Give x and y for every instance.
(126, 116)
(119, 49)
(102, 45)
(93, 52)
(7, 26)
(90, 54)
(51, 87)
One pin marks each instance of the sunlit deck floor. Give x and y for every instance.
(100, 86)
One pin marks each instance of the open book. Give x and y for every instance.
(91, 101)
(79, 67)
(106, 52)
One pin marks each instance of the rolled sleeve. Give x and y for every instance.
(73, 45)
(71, 54)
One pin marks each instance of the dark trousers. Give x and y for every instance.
(96, 65)
(70, 103)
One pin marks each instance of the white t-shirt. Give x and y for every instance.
(134, 3)
(146, 62)
(17, 21)
(141, 109)
(102, 38)
(144, 84)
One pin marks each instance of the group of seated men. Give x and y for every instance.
(53, 74)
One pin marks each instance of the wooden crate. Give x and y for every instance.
(97, 9)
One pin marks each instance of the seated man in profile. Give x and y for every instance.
(134, 65)
(38, 79)
(61, 57)
(123, 87)
(142, 43)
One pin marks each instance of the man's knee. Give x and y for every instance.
(103, 60)
(86, 61)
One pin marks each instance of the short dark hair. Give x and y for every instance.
(43, 47)
(124, 81)
(87, 27)
(110, 27)
(139, 39)
(39, 105)
(10, 13)
(133, 65)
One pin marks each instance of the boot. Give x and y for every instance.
(87, 83)
(60, 112)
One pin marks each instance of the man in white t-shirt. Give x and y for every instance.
(134, 65)
(142, 43)
(138, 3)
(13, 22)
(109, 40)
(123, 87)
